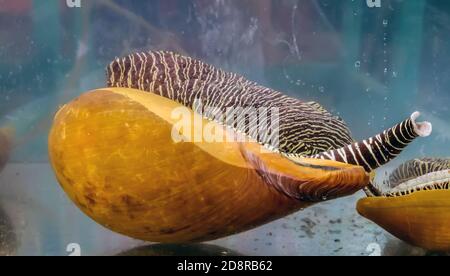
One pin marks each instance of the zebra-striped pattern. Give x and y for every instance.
(375, 151)
(416, 168)
(445, 185)
(305, 129)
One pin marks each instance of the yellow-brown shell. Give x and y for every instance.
(5, 145)
(113, 153)
(421, 218)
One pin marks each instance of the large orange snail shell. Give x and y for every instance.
(113, 153)
(421, 218)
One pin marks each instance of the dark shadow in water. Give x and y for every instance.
(179, 250)
(8, 239)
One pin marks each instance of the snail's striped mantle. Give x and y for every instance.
(306, 129)
(420, 174)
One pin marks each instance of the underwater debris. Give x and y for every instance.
(8, 239)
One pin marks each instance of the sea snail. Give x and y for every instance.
(416, 207)
(113, 151)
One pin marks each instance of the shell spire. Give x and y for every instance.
(381, 148)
